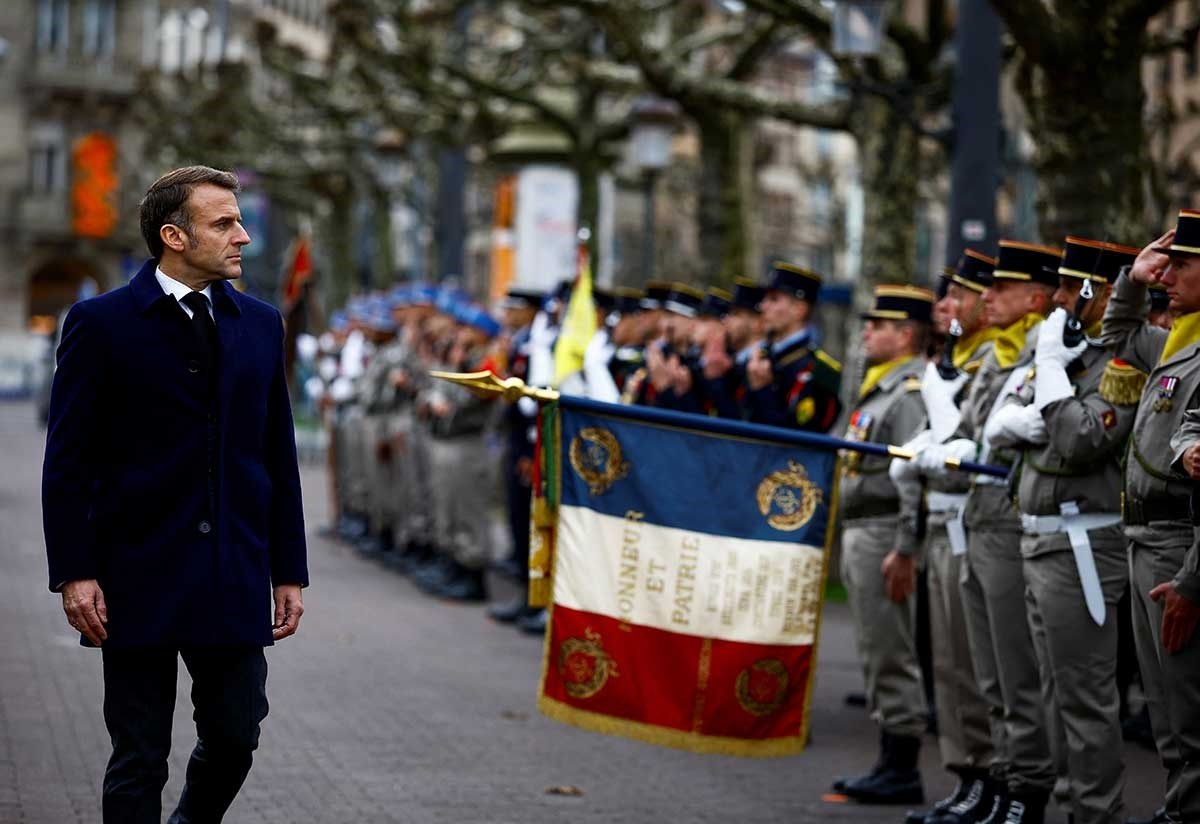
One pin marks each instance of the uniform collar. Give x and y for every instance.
(793, 340)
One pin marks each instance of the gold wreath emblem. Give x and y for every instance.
(788, 498)
(596, 457)
(584, 666)
(762, 686)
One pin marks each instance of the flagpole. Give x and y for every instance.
(512, 389)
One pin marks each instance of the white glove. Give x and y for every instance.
(542, 335)
(931, 460)
(940, 405)
(1050, 346)
(902, 471)
(600, 384)
(1014, 424)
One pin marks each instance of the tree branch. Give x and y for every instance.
(1031, 25)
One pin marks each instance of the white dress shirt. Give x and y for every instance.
(179, 291)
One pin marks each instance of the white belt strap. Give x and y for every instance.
(944, 501)
(1076, 525)
(956, 530)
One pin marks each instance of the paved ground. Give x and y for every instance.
(392, 707)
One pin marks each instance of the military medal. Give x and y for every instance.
(1166, 391)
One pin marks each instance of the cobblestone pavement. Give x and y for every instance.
(389, 706)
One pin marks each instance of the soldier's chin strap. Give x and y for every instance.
(945, 367)
(1073, 330)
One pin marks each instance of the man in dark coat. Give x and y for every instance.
(171, 498)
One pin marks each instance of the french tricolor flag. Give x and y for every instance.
(687, 578)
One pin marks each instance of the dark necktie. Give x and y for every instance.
(203, 326)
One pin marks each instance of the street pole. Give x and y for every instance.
(649, 177)
(975, 162)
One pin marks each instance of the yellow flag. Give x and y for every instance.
(579, 322)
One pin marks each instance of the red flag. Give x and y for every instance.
(298, 274)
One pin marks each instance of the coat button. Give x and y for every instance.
(205, 527)
(193, 366)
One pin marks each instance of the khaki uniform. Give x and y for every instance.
(891, 412)
(379, 401)
(964, 732)
(1160, 533)
(993, 589)
(1080, 465)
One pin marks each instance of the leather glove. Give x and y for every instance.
(931, 460)
(1013, 424)
(940, 404)
(902, 471)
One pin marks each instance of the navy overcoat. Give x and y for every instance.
(178, 492)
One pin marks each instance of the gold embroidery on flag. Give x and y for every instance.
(788, 498)
(702, 672)
(584, 666)
(596, 457)
(762, 686)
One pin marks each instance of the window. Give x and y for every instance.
(52, 20)
(99, 27)
(47, 159)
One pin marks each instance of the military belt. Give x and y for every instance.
(1141, 512)
(871, 508)
(944, 501)
(1050, 524)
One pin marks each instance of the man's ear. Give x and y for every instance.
(173, 237)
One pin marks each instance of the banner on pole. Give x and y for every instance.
(687, 573)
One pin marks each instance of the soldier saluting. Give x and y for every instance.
(1158, 518)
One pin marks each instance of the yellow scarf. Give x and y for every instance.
(964, 350)
(1184, 332)
(876, 373)
(1010, 341)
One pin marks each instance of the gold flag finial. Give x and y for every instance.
(486, 383)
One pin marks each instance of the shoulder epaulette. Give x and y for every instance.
(827, 359)
(1122, 383)
(793, 356)
(912, 384)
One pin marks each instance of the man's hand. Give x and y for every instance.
(289, 607)
(1191, 460)
(758, 371)
(1180, 616)
(899, 576)
(83, 602)
(1149, 265)
(681, 378)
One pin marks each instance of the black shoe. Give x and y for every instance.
(466, 585)
(512, 568)
(1159, 817)
(433, 574)
(899, 782)
(1136, 728)
(966, 783)
(534, 623)
(511, 612)
(368, 546)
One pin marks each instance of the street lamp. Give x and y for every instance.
(858, 27)
(650, 150)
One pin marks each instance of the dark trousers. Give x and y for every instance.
(229, 697)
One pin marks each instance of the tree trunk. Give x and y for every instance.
(1090, 155)
(340, 282)
(889, 156)
(724, 239)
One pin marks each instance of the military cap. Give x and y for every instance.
(795, 281)
(1187, 235)
(517, 298)
(684, 300)
(747, 294)
(399, 296)
(717, 303)
(1095, 260)
(656, 294)
(423, 294)
(627, 300)
(470, 314)
(604, 300)
(900, 301)
(1027, 262)
(973, 270)
(339, 320)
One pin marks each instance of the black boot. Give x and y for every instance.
(512, 611)
(967, 777)
(899, 782)
(466, 585)
(1159, 817)
(983, 797)
(534, 623)
(885, 743)
(434, 573)
(1021, 808)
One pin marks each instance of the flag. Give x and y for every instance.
(298, 273)
(688, 560)
(579, 323)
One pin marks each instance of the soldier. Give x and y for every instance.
(520, 306)
(993, 585)
(878, 569)
(625, 345)
(964, 734)
(457, 421)
(378, 399)
(356, 353)
(670, 358)
(638, 389)
(789, 381)
(1158, 517)
(725, 359)
(1070, 423)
